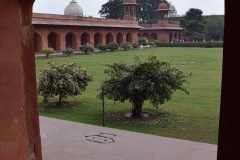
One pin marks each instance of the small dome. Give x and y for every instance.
(163, 6)
(73, 9)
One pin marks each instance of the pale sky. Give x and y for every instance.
(91, 7)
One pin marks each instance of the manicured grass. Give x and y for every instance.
(191, 117)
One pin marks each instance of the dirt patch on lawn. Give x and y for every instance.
(148, 117)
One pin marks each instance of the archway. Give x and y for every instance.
(109, 38)
(54, 41)
(145, 35)
(37, 42)
(85, 38)
(171, 37)
(179, 36)
(129, 38)
(175, 37)
(70, 40)
(153, 37)
(97, 39)
(119, 38)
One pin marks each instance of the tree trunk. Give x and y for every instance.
(137, 110)
(60, 100)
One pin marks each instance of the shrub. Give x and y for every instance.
(209, 45)
(125, 45)
(157, 43)
(151, 44)
(48, 51)
(142, 41)
(135, 45)
(152, 80)
(86, 48)
(197, 44)
(101, 47)
(68, 51)
(62, 80)
(112, 46)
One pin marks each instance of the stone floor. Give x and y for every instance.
(63, 140)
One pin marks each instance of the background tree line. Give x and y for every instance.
(146, 11)
(193, 22)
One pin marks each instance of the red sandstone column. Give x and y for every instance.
(44, 37)
(78, 41)
(62, 40)
(229, 129)
(19, 123)
(124, 36)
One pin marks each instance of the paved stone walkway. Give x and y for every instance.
(63, 140)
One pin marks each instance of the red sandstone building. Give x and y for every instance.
(61, 31)
(162, 31)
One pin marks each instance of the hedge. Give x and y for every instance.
(196, 44)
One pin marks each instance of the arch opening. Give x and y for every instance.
(119, 39)
(70, 40)
(153, 37)
(85, 38)
(54, 41)
(145, 35)
(97, 39)
(109, 38)
(129, 38)
(171, 37)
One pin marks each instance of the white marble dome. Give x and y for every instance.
(73, 9)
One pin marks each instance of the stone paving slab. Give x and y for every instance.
(64, 140)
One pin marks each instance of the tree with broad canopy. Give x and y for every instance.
(151, 80)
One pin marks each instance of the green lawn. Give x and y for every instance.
(191, 117)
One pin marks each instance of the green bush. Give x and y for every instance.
(68, 51)
(62, 80)
(101, 47)
(209, 45)
(48, 51)
(197, 44)
(135, 46)
(86, 49)
(157, 43)
(142, 41)
(125, 46)
(112, 46)
(151, 44)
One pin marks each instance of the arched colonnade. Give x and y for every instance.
(59, 41)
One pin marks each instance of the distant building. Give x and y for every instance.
(163, 30)
(73, 29)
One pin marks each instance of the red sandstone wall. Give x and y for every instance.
(163, 35)
(19, 124)
(62, 31)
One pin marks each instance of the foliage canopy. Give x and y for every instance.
(68, 51)
(145, 12)
(112, 46)
(193, 24)
(48, 51)
(62, 80)
(126, 45)
(86, 48)
(151, 80)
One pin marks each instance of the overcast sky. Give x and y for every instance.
(91, 7)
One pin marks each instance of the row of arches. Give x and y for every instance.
(53, 40)
(175, 36)
(151, 37)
